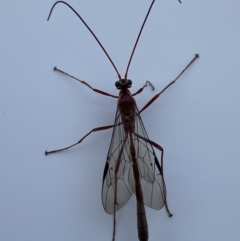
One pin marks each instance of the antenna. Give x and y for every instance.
(90, 30)
(135, 45)
(104, 50)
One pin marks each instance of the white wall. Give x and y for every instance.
(196, 120)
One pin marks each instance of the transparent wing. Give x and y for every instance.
(118, 153)
(116, 191)
(152, 181)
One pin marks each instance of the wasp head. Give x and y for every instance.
(123, 83)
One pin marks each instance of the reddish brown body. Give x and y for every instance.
(141, 214)
(127, 109)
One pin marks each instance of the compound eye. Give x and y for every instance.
(129, 83)
(117, 84)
